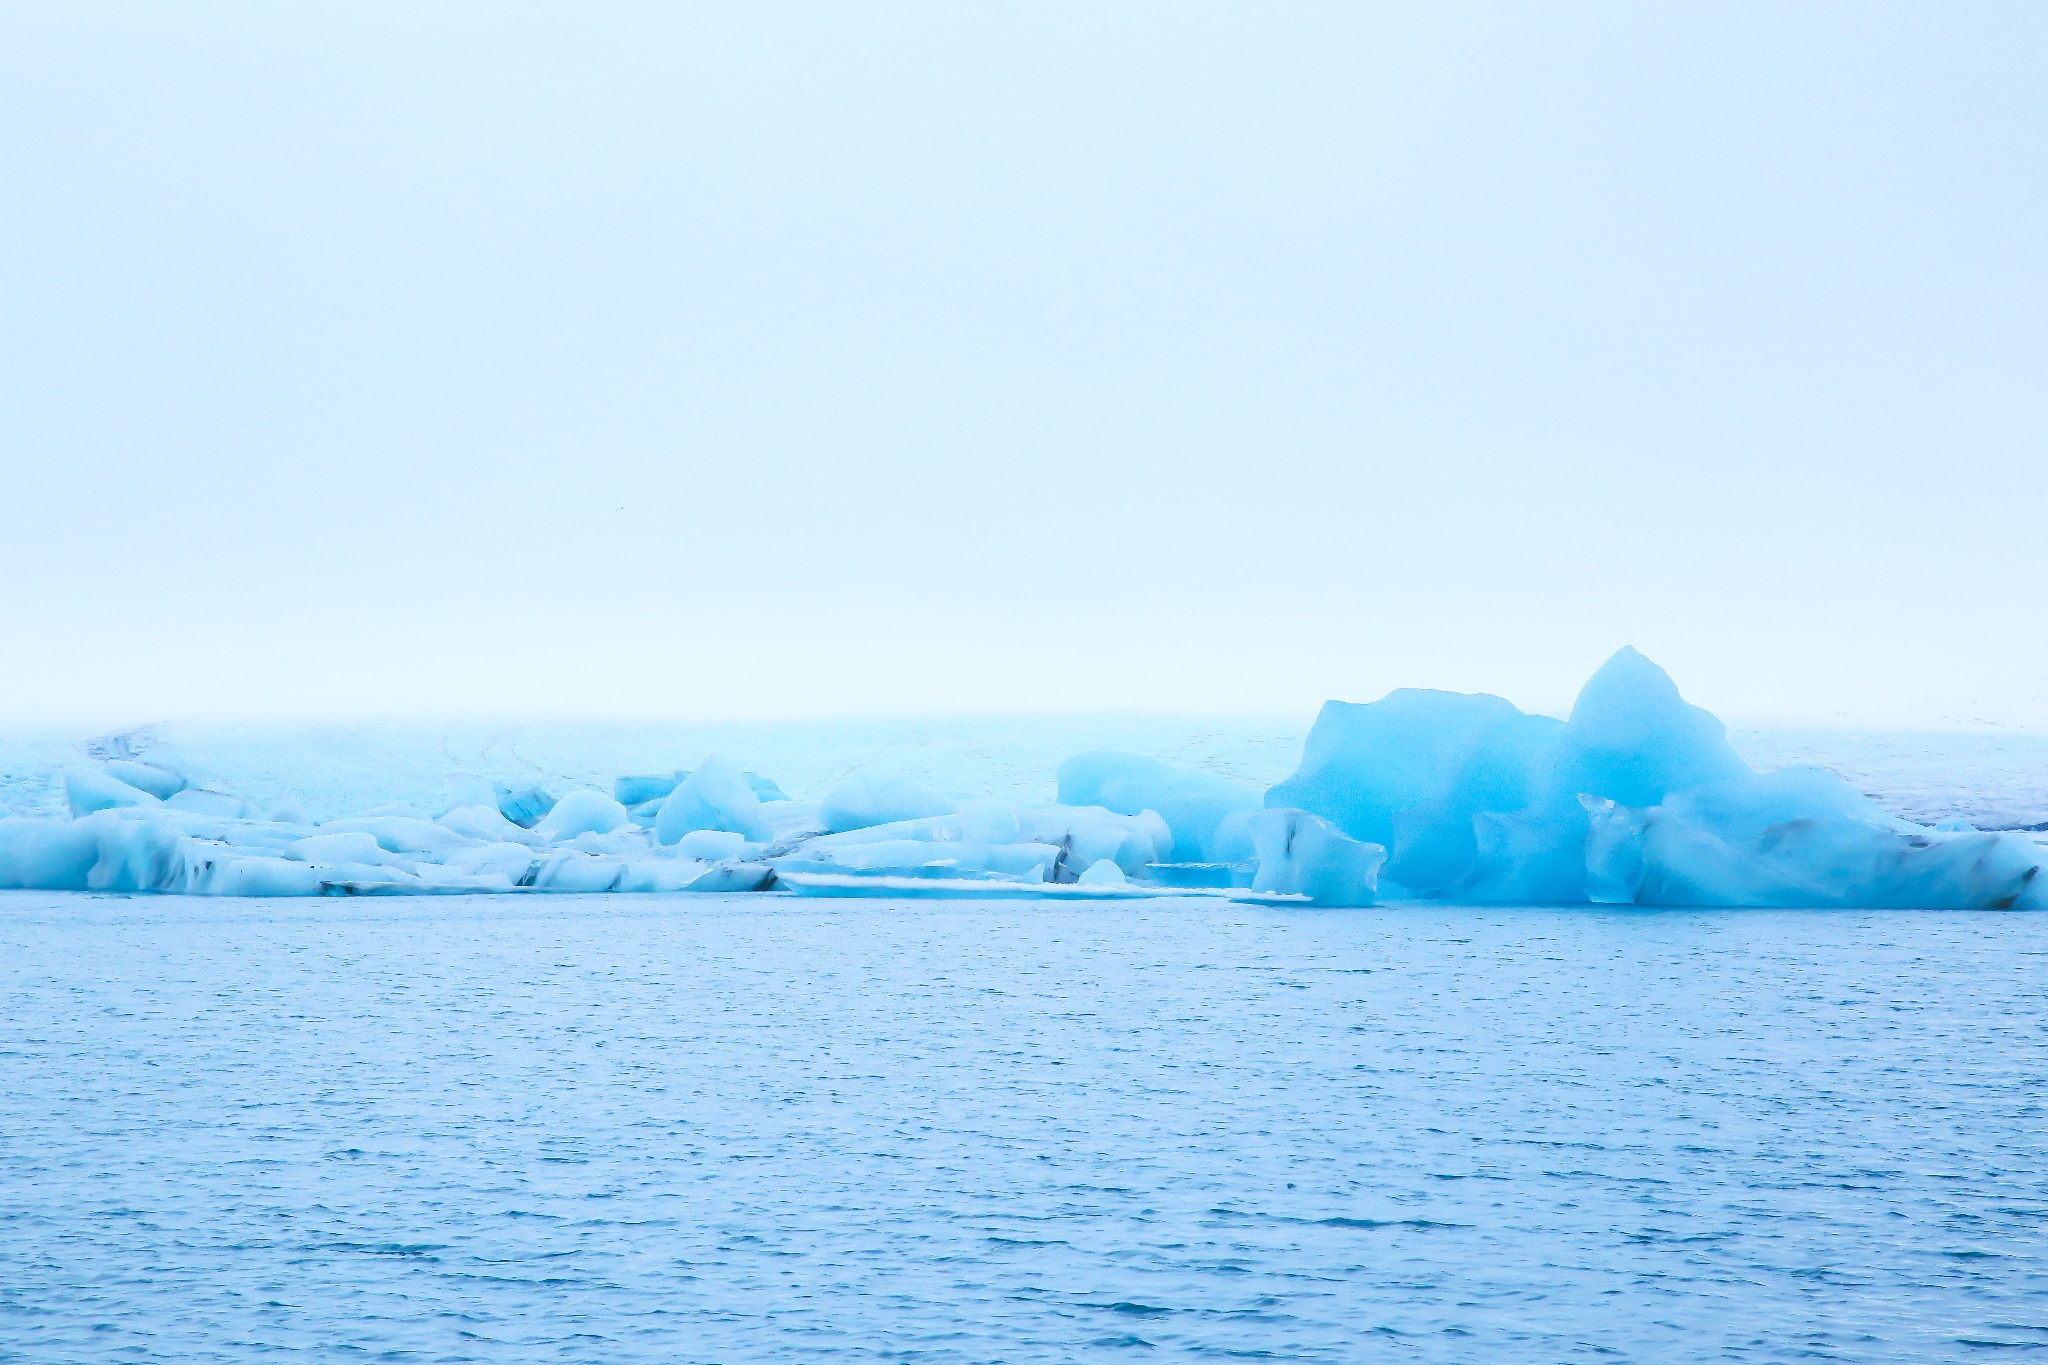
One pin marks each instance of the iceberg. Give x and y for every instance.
(1636, 798)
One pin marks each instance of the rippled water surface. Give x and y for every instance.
(758, 1128)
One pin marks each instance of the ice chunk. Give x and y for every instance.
(526, 806)
(1088, 834)
(485, 822)
(711, 845)
(621, 843)
(87, 790)
(400, 834)
(508, 860)
(1191, 803)
(637, 789)
(904, 855)
(1076, 836)
(765, 789)
(137, 854)
(227, 873)
(568, 870)
(1102, 872)
(714, 796)
(660, 874)
(862, 800)
(1695, 849)
(582, 810)
(727, 877)
(1300, 853)
(154, 778)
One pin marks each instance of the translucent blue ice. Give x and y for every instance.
(1636, 799)
(715, 796)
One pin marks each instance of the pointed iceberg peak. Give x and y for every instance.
(1628, 677)
(1632, 738)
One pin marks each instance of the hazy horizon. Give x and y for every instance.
(922, 360)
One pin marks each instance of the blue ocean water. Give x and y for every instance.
(766, 1129)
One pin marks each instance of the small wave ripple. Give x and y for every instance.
(760, 1130)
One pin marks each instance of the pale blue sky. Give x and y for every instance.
(801, 360)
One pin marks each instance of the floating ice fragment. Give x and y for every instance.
(714, 796)
(711, 845)
(400, 834)
(583, 810)
(526, 806)
(485, 822)
(639, 788)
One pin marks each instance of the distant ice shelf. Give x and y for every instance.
(1637, 798)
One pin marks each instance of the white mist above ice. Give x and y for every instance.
(757, 361)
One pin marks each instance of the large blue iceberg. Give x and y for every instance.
(1635, 799)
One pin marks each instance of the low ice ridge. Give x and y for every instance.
(1636, 798)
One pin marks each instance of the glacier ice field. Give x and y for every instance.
(1636, 798)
